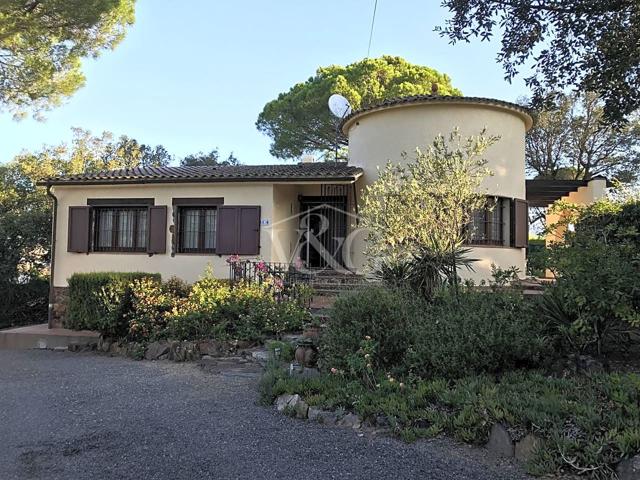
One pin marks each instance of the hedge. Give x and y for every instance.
(88, 308)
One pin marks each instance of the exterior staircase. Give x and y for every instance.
(330, 283)
(327, 286)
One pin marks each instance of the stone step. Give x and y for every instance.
(322, 302)
(41, 336)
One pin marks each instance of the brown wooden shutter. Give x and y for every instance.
(157, 232)
(520, 223)
(238, 230)
(79, 229)
(249, 237)
(227, 230)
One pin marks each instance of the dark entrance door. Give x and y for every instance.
(323, 224)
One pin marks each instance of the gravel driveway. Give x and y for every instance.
(76, 416)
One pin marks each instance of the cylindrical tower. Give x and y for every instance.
(381, 133)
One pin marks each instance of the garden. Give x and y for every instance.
(140, 315)
(423, 353)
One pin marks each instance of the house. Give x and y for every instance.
(176, 220)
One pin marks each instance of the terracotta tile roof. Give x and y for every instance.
(238, 173)
(392, 102)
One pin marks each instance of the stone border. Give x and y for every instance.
(502, 442)
(175, 350)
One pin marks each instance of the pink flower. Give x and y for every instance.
(233, 259)
(261, 266)
(334, 370)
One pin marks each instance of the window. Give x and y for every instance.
(119, 229)
(197, 229)
(487, 226)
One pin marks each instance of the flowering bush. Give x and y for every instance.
(152, 303)
(143, 308)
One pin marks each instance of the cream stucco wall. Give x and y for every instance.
(285, 222)
(379, 136)
(592, 192)
(186, 266)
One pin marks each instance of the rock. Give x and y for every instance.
(301, 408)
(525, 448)
(350, 420)
(629, 468)
(155, 350)
(284, 401)
(244, 344)
(115, 348)
(382, 421)
(261, 355)
(183, 351)
(500, 442)
(212, 348)
(322, 416)
(314, 413)
(104, 344)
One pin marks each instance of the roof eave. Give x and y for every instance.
(524, 113)
(145, 181)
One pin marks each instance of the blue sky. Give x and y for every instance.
(194, 75)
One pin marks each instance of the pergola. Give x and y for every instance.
(543, 192)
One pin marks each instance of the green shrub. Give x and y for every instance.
(24, 303)
(380, 313)
(99, 301)
(286, 351)
(475, 332)
(142, 308)
(595, 300)
(452, 336)
(536, 257)
(152, 304)
(195, 326)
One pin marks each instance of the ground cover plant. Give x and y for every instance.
(587, 424)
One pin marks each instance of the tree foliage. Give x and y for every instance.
(427, 202)
(299, 122)
(42, 44)
(593, 45)
(573, 141)
(25, 210)
(212, 158)
(595, 301)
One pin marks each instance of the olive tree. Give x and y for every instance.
(417, 212)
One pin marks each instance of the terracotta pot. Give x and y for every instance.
(306, 355)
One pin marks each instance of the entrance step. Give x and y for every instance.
(41, 336)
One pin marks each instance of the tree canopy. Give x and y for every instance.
(208, 159)
(42, 44)
(571, 141)
(299, 122)
(592, 45)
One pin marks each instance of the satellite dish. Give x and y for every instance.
(339, 105)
